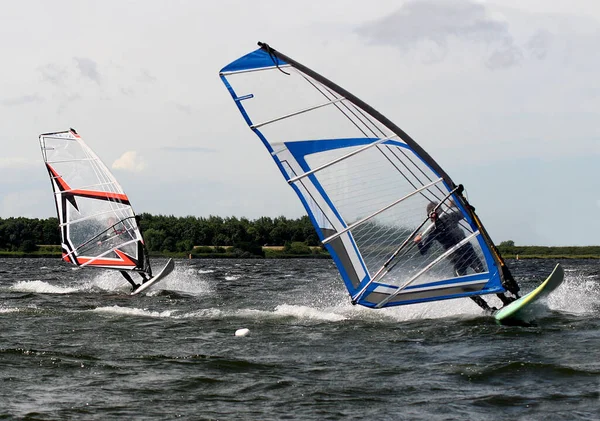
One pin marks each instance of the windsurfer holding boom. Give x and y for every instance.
(447, 232)
(111, 235)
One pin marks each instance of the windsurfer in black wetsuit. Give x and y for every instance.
(447, 232)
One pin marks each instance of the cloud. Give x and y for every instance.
(129, 161)
(431, 25)
(504, 57)
(88, 68)
(539, 44)
(21, 100)
(53, 74)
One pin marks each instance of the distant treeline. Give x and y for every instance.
(173, 234)
(190, 234)
(508, 249)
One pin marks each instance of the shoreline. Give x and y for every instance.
(187, 256)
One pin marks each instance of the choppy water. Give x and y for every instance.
(74, 345)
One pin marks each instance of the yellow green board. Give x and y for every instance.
(515, 309)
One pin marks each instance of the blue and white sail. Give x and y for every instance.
(365, 184)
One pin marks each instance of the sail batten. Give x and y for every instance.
(367, 187)
(69, 160)
(305, 110)
(340, 159)
(83, 188)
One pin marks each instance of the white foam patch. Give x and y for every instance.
(41, 287)
(9, 310)
(133, 311)
(295, 311)
(308, 313)
(232, 278)
(108, 280)
(460, 307)
(183, 279)
(577, 294)
(202, 271)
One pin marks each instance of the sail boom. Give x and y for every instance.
(382, 270)
(427, 268)
(96, 258)
(367, 218)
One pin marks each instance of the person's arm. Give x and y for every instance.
(423, 243)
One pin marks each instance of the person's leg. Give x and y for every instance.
(482, 303)
(126, 276)
(506, 300)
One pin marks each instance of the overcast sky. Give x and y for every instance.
(505, 96)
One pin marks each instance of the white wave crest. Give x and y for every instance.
(133, 311)
(41, 287)
(308, 313)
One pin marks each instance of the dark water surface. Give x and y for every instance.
(74, 345)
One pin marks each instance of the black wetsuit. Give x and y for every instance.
(448, 234)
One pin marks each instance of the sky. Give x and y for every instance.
(504, 95)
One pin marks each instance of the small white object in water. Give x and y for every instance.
(242, 332)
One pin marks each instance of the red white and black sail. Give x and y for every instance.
(97, 223)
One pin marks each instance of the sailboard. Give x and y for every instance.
(522, 308)
(376, 198)
(97, 223)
